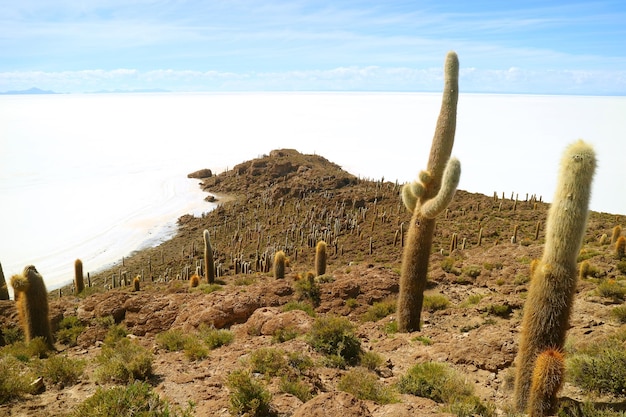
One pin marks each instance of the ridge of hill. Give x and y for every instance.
(289, 201)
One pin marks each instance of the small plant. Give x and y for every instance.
(435, 302)
(351, 303)
(609, 288)
(371, 360)
(16, 378)
(391, 327)
(297, 388)
(471, 300)
(619, 313)
(600, 368)
(308, 289)
(283, 334)
(124, 361)
(500, 310)
(621, 267)
(243, 281)
(472, 271)
(423, 340)
(267, 361)
(299, 362)
(25, 352)
(365, 385)
(69, 329)
(448, 266)
(136, 399)
(248, 396)
(115, 333)
(209, 288)
(298, 305)
(215, 338)
(172, 340)
(63, 370)
(379, 310)
(334, 337)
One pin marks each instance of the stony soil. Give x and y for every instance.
(288, 201)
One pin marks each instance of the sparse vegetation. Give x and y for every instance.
(599, 367)
(248, 396)
(379, 310)
(298, 305)
(435, 302)
(123, 361)
(365, 385)
(69, 330)
(334, 337)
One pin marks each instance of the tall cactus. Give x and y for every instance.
(553, 285)
(4, 291)
(209, 265)
(79, 282)
(320, 258)
(279, 264)
(32, 305)
(427, 198)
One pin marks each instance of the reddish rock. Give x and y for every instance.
(333, 404)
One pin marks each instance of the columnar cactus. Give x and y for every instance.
(137, 283)
(209, 265)
(279, 265)
(427, 198)
(32, 305)
(4, 291)
(79, 283)
(552, 287)
(320, 258)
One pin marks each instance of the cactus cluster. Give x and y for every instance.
(426, 198)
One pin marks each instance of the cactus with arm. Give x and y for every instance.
(427, 198)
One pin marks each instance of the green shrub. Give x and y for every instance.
(447, 264)
(423, 340)
(299, 362)
(69, 330)
(334, 336)
(436, 381)
(173, 340)
(268, 361)
(586, 409)
(619, 313)
(248, 396)
(136, 399)
(63, 370)
(500, 310)
(207, 288)
(609, 288)
(352, 303)
(621, 267)
(472, 271)
(195, 350)
(215, 338)
(371, 360)
(124, 362)
(284, 334)
(15, 380)
(435, 302)
(308, 289)
(115, 333)
(379, 311)
(294, 386)
(12, 335)
(297, 305)
(365, 385)
(25, 352)
(599, 368)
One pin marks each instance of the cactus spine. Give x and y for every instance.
(79, 283)
(320, 258)
(279, 265)
(4, 291)
(209, 265)
(32, 305)
(431, 194)
(547, 379)
(551, 293)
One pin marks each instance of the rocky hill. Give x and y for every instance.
(286, 201)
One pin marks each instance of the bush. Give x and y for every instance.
(195, 350)
(24, 352)
(435, 302)
(267, 361)
(619, 313)
(172, 340)
(12, 335)
(379, 310)
(500, 310)
(248, 396)
(609, 288)
(284, 334)
(472, 271)
(124, 362)
(308, 289)
(299, 362)
(297, 305)
(215, 338)
(334, 336)
(69, 330)
(63, 370)
(365, 385)
(437, 381)
(136, 399)
(621, 267)
(600, 368)
(297, 388)
(16, 378)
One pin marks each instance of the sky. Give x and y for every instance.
(534, 46)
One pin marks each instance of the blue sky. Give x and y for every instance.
(540, 47)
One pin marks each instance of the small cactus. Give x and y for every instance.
(617, 232)
(32, 305)
(320, 258)
(279, 265)
(547, 379)
(620, 247)
(137, 283)
(79, 282)
(194, 281)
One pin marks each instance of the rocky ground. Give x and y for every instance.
(288, 201)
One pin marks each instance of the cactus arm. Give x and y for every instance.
(450, 180)
(409, 199)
